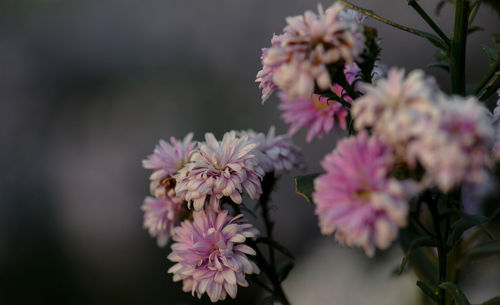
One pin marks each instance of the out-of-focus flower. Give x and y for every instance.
(356, 199)
(220, 168)
(318, 114)
(165, 161)
(211, 256)
(298, 58)
(397, 109)
(278, 153)
(161, 215)
(457, 149)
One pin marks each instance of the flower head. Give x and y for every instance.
(166, 160)
(319, 114)
(298, 58)
(356, 199)
(278, 154)
(210, 254)
(220, 168)
(161, 215)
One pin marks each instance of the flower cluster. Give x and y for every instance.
(208, 243)
(298, 59)
(448, 136)
(420, 138)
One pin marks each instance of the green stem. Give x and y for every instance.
(430, 22)
(493, 68)
(432, 38)
(442, 253)
(267, 187)
(458, 47)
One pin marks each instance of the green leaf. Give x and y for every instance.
(425, 241)
(455, 292)
(463, 224)
(491, 86)
(304, 186)
(284, 271)
(492, 53)
(429, 289)
(441, 66)
(276, 246)
(486, 249)
(423, 260)
(438, 42)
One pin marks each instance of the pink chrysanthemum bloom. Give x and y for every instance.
(165, 161)
(211, 256)
(398, 109)
(298, 58)
(278, 153)
(220, 168)
(457, 149)
(356, 199)
(161, 215)
(319, 114)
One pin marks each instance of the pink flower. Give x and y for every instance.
(161, 215)
(211, 256)
(318, 114)
(356, 199)
(278, 154)
(220, 168)
(298, 58)
(165, 161)
(457, 149)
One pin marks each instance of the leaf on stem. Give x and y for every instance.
(492, 85)
(455, 292)
(486, 249)
(461, 225)
(304, 186)
(429, 289)
(492, 53)
(424, 241)
(284, 270)
(276, 246)
(430, 37)
(423, 261)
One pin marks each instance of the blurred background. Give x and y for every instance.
(88, 87)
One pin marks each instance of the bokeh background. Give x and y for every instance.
(88, 87)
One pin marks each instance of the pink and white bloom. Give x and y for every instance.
(356, 199)
(278, 154)
(166, 160)
(457, 150)
(161, 215)
(298, 58)
(220, 168)
(319, 114)
(211, 255)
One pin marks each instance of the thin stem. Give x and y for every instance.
(442, 254)
(430, 22)
(433, 39)
(473, 12)
(267, 187)
(458, 47)
(493, 68)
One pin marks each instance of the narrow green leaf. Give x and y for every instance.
(276, 246)
(429, 289)
(492, 53)
(425, 241)
(430, 37)
(284, 271)
(304, 186)
(494, 301)
(455, 292)
(461, 225)
(441, 66)
(486, 249)
(492, 86)
(422, 259)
